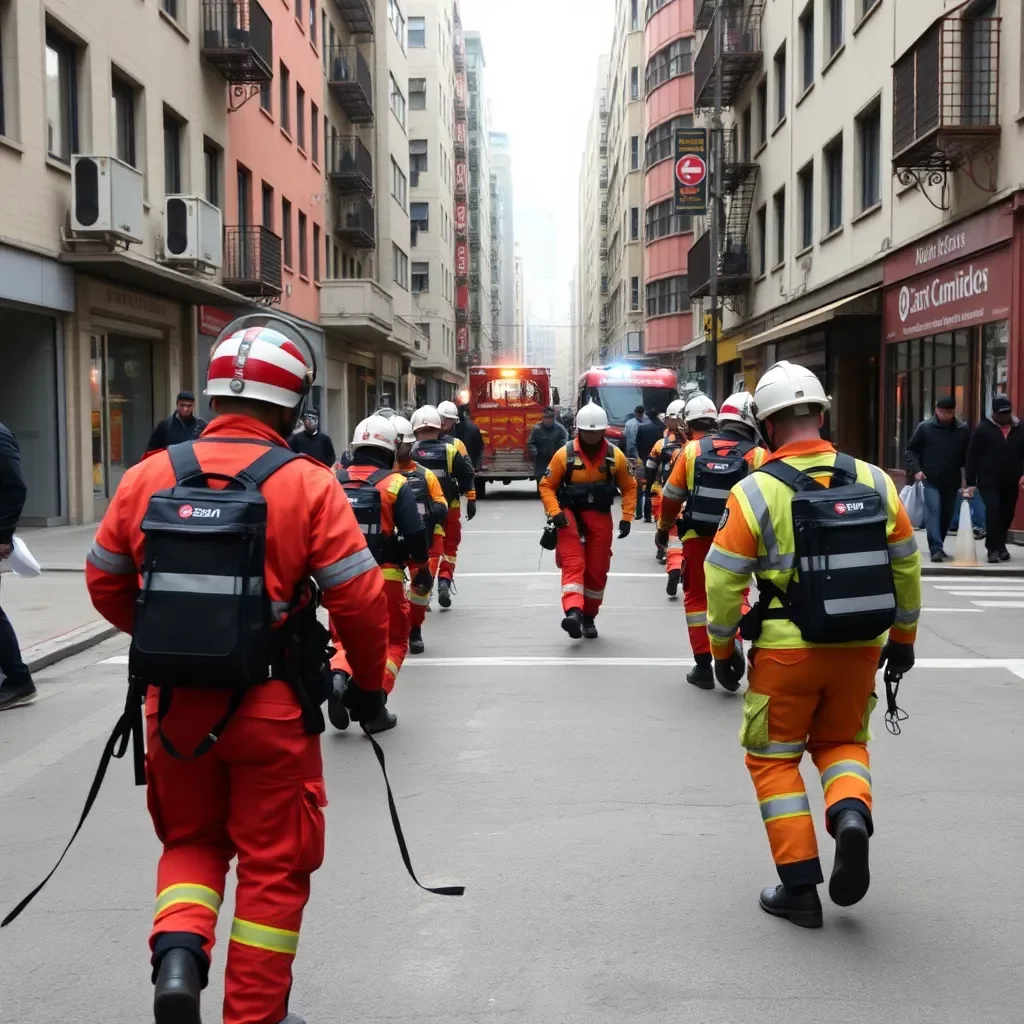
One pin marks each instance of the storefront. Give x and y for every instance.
(947, 325)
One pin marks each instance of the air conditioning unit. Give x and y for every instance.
(106, 199)
(193, 232)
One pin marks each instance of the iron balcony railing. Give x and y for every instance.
(348, 76)
(349, 165)
(358, 15)
(354, 221)
(733, 266)
(740, 56)
(252, 261)
(237, 40)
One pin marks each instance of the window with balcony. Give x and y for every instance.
(667, 296)
(807, 47)
(805, 188)
(399, 185)
(419, 216)
(285, 86)
(674, 60)
(762, 113)
(303, 246)
(761, 231)
(417, 94)
(869, 156)
(122, 118)
(417, 33)
(420, 277)
(213, 157)
(780, 84)
(833, 174)
(314, 132)
(399, 267)
(661, 140)
(746, 133)
(397, 101)
(267, 206)
(835, 30)
(662, 220)
(300, 117)
(286, 233)
(173, 132)
(417, 158)
(779, 210)
(61, 96)
(243, 194)
(397, 21)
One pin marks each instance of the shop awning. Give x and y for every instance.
(861, 304)
(437, 370)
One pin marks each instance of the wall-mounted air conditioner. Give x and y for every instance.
(193, 232)
(106, 199)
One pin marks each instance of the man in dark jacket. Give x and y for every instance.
(17, 687)
(545, 439)
(936, 455)
(995, 465)
(310, 441)
(181, 425)
(648, 434)
(469, 434)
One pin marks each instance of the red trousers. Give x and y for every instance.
(674, 552)
(258, 796)
(418, 605)
(585, 560)
(443, 564)
(398, 629)
(695, 593)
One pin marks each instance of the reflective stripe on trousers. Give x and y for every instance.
(838, 769)
(187, 892)
(777, 750)
(785, 805)
(274, 940)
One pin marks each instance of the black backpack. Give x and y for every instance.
(843, 590)
(365, 499)
(598, 495)
(668, 450)
(714, 476)
(433, 455)
(421, 492)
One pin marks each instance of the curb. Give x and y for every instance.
(49, 652)
(943, 569)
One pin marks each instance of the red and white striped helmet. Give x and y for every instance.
(263, 358)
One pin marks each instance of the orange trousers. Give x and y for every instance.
(695, 593)
(418, 604)
(443, 564)
(818, 700)
(398, 632)
(258, 796)
(674, 552)
(584, 558)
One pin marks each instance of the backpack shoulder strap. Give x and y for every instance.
(184, 462)
(793, 478)
(257, 473)
(570, 460)
(707, 444)
(845, 465)
(381, 474)
(343, 477)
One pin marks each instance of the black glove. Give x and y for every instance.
(897, 657)
(559, 522)
(661, 537)
(729, 671)
(363, 705)
(423, 581)
(471, 509)
(623, 529)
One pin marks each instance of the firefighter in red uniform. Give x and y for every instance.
(385, 508)
(258, 794)
(659, 466)
(693, 482)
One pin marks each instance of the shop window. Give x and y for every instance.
(993, 363)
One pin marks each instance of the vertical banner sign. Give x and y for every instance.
(691, 171)
(462, 339)
(461, 259)
(460, 132)
(460, 87)
(460, 218)
(460, 176)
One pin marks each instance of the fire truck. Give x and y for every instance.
(621, 387)
(506, 402)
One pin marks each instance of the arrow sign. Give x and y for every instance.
(691, 171)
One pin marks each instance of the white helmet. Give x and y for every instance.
(404, 428)
(738, 408)
(375, 432)
(591, 417)
(699, 407)
(386, 411)
(675, 408)
(448, 410)
(788, 386)
(426, 418)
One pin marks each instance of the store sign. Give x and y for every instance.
(461, 259)
(462, 296)
(213, 320)
(972, 292)
(460, 132)
(691, 171)
(462, 339)
(460, 174)
(460, 218)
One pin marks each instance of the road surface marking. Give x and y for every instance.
(506, 575)
(999, 604)
(1015, 665)
(117, 659)
(968, 610)
(984, 593)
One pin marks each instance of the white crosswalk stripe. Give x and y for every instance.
(982, 592)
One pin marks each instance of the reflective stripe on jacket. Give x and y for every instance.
(588, 472)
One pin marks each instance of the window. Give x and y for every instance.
(805, 186)
(780, 84)
(267, 200)
(399, 188)
(419, 216)
(399, 267)
(316, 253)
(761, 227)
(779, 205)
(312, 21)
(634, 82)
(211, 171)
(417, 158)
(266, 97)
(661, 140)
(122, 117)
(172, 154)
(807, 47)
(323, 36)
(634, 153)
(835, 30)
(417, 33)
(303, 253)
(61, 97)
(314, 132)
(170, 7)
(762, 113)
(669, 295)
(397, 102)
(286, 232)
(417, 94)
(662, 220)
(869, 144)
(671, 62)
(746, 133)
(286, 114)
(634, 223)
(833, 182)
(397, 20)
(300, 117)
(634, 294)
(634, 15)
(420, 278)
(243, 189)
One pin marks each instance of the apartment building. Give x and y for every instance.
(871, 206)
(503, 283)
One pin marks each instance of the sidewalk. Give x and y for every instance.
(1015, 567)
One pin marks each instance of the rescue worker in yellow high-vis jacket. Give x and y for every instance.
(839, 597)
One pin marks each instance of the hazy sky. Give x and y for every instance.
(540, 77)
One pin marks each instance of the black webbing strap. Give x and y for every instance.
(441, 890)
(206, 744)
(257, 473)
(184, 462)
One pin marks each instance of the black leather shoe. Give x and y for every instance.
(444, 593)
(672, 586)
(573, 623)
(661, 557)
(589, 628)
(337, 713)
(16, 694)
(850, 875)
(993, 557)
(801, 906)
(384, 721)
(1004, 555)
(178, 984)
(702, 675)
(416, 640)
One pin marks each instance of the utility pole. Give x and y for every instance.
(714, 199)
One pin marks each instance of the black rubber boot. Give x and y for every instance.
(444, 595)
(416, 640)
(662, 557)
(850, 875)
(573, 623)
(384, 721)
(800, 904)
(178, 984)
(337, 713)
(741, 663)
(702, 675)
(589, 628)
(672, 586)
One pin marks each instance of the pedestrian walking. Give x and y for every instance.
(545, 439)
(936, 455)
(182, 425)
(470, 435)
(629, 432)
(311, 441)
(17, 687)
(995, 465)
(648, 434)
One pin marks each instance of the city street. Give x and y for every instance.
(595, 806)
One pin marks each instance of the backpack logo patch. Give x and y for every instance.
(842, 507)
(198, 512)
(723, 520)
(185, 511)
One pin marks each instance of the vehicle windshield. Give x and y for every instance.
(619, 401)
(510, 391)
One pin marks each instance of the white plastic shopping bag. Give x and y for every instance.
(20, 561)
(912, 497)
(966, 552)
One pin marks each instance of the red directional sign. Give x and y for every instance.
(691, 171)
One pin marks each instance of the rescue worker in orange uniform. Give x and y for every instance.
(449, 413)
(433, 506)
(446, 457)
(385, 507)
(578, 490)
(659, 466)
(258, 794)
(839, 581)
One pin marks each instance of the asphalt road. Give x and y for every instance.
(598, 811)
